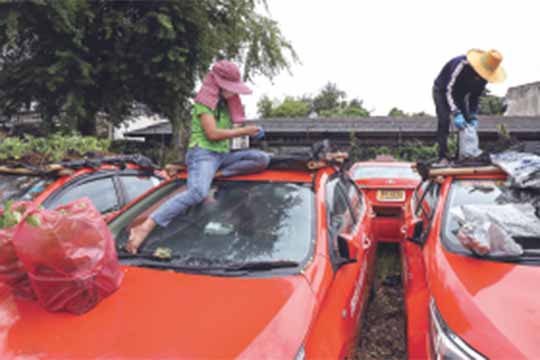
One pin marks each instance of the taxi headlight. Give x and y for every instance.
(301, 354)
(445, 344)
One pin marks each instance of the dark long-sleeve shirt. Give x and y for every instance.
(461, 85)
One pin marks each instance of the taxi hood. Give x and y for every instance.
(163, 314)
(492, 305)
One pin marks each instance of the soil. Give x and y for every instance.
(383, 330)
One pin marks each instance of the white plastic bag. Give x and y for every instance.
(468, 143)
(488, 238)
(488, 229)
(518, 220)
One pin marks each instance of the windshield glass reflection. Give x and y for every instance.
(239, 222)
(375, 172)
(484, 192)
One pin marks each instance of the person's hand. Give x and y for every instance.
(250, 130)
(259, 135)
(473, 121)
(459, 121)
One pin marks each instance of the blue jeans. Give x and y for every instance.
(202, 166)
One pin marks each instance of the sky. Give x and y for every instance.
(388, 52)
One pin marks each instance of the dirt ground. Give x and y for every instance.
(383, 329)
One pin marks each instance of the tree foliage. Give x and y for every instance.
(400, 113)
(329, 102)
(290, 107)
(490, 104)
(397, 112)
(329, 98)
(73, 59)
(409, 151)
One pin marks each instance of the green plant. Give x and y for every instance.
(54, 148)
(11, 216)
(410, 151)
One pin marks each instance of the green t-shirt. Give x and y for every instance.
(198, 136)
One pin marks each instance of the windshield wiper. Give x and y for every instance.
(528, 256)
(262, 265)
(170, 257)
(196, 264)
(125, 255)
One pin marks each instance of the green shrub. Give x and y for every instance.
(53, 148)
(409, 151)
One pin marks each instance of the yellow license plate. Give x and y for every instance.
(390, 195)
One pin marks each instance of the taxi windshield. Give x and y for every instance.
(490, 195)
(377, 172)
(239, 222)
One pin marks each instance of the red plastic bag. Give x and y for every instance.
(70, 257)
(12, 272)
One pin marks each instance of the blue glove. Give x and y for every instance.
(260, 134)
(459, 121)
(473, 121)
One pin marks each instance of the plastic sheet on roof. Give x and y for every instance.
(523, 168)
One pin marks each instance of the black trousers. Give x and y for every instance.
(443, 125)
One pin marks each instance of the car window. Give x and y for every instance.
(340, 217)
(427, 203)
(21, 188)
(355, 199)
(372, 172)
(425, 200)
(100, 191)
(432, 197)
(240, 221)
(418, 197)
(137, 185)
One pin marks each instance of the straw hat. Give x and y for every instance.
(487, 64)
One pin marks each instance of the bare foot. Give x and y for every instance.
(138, 234)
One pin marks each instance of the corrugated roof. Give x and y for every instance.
(375, 124)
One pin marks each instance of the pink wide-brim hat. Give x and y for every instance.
(225, 75)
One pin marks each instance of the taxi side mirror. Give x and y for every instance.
(415, 230)
(347, 248)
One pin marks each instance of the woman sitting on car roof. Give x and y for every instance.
(217, 106)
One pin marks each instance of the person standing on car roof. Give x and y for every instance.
(217, 106)
(457, 90)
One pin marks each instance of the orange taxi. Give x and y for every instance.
(109, 185)
(275, 265)
(388, 186)
(460, 305)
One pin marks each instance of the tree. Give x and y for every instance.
(76, 58)
(330, 102)
(397, 112)
(265, 107)
(329, 98)
(490, 104)
(290, 107)
(420, 113)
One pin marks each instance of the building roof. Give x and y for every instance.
(373, 124)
